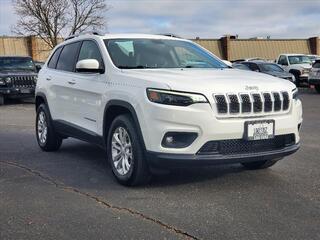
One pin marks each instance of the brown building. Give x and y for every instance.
(225, 47)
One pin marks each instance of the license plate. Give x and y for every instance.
(25, 90)
(259, 130)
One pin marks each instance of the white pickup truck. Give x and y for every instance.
(297, 64)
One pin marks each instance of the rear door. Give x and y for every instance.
(50, 84)
(63, 80)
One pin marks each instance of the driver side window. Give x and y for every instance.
(283, 60)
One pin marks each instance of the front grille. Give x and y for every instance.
(267, 102)
(285, 100)
(257, 103)
(253, 103)
(221, 104)
(246, 103)
(277, 101)
(23, 81)
(242, 146)
(234, 105)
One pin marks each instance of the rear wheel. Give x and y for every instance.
(125, 153)
(317, 87)
(260, 164)
(48, 139)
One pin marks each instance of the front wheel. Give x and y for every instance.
(259, 164)
(317, 87)
(125, 153)
(48, 139)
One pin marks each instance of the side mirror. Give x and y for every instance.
(38, 67)
(88, 66)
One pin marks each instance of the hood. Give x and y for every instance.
(17, 73)
(211, 80)
(303, 65)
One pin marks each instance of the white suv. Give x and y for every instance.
(159, 102)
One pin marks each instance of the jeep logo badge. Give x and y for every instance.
(256, 88)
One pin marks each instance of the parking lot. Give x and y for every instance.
(71, 194)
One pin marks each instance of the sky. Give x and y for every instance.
(204, 18)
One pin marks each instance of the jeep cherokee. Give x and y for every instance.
(158, 102)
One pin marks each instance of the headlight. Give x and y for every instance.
(174, 98)
(2, 82)
(8, 80)
(35, 79)
(295, 95)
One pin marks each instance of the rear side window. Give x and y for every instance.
(90, 50)
(254, 67)
(316, 65)
(68, 57)
(53, 60)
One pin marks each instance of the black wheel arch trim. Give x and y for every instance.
(130, 108)
(42, 95)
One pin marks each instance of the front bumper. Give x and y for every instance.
(314, 81)
(157, 119)
(167, 160)
(17, 92)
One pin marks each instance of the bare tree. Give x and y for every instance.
(53, 19)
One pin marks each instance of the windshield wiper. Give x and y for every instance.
(133, 67)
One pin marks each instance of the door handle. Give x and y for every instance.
(48, 78)
(72, 82)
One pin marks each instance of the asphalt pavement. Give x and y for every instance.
(71, 193)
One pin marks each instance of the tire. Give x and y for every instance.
(1, 100)
(129, 165)
(259, 164)
(317, 87)
(297, 77)
(48, 140)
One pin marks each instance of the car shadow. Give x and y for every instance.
(93, 157)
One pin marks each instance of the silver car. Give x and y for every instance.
(314, 75)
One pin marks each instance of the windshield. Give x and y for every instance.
(16, 63)
(159, 53)
(299, 59)
(270, 68)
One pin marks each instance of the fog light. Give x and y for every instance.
(178, 139)
(169, 139)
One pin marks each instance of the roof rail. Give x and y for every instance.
(83, 33)
(170, 35)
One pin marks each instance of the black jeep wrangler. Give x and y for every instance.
(18, 77)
